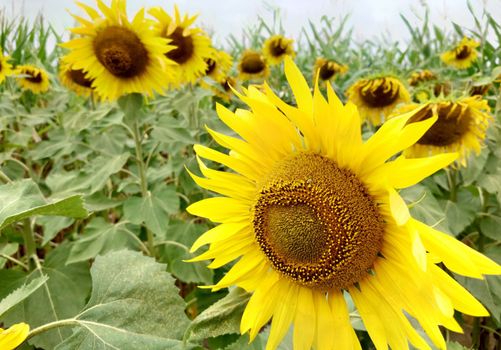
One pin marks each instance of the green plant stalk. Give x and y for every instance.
(52, 325)
(29, 239)
(451, 179)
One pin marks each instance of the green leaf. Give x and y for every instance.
(100, 237)
(152, 210)
(52, 225)
(134, 305)
(223, 317)
(169, 129)
(455, 346)
(20, 294)
(61, 297)
(7, 249)
(491, 227)
(22, 199)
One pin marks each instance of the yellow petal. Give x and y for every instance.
(304, 320)
(220, 209)
(14, 336)
(219, 233)
(283, 314)
(398, 207)
(299, 86)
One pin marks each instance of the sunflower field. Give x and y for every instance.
(158, 192)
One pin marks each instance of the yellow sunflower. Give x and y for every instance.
(481, 89)
(5, 68)
(14, 336)
(32, 78)
(328, 69)
(276, 48)
(119, 55)
(218, 66)
(460, 127)
(377, 97)
(75, 79)
(252, 65)
(312, 213)
(419, 77)
(463, 55)
(192, 45)
(223, 88)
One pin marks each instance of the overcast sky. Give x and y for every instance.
(368, 18)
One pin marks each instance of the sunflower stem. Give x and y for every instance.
(451, 178)
(48, 326)
(29, 240)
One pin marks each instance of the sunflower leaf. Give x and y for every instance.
(21, 293)
(134, 304)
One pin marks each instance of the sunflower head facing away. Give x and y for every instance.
(75, 80)
(376, 98)
(118, 55)
(13, 336)
(192, 46)
(460, 127)
(218, 66)
(5, 68)
(419, 77)
(32, 78)
(276, 47)
(463, 55)
(312, 214)
(328, 69)
(252, 65)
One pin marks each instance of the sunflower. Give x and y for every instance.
(75, 79)
(276, 47)
(218, 66)
(252, 65)
(480, 89)
(32, 78)
(192, 45)
(376, 97)
(461, 126)
(118, 55)
(419, 77)
(14, 336)
(313, 214)
(5, 68)
(223, 88)
(463, 55)
(328, 69)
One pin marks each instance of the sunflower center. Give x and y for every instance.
(34, 77)
(121, 52)
(211, 66)
(316, 222)
(276, 48)
(463, 52)
(380, 92)
(252, 63)
(78, 77)
(452, 123)
(327, 71)
(184, 46)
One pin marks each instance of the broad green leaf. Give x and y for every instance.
(456, 346)
(7, 249)
(61, 297)
(223, 317)
(52, 225)
(22, 199)
(20, 294)
(134, 304)
(491, 227)
(169, 130)
(100, 237)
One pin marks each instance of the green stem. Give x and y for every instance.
(29, 239)
(15, 261)
(52, 325)
(451, 178)
(4, 178)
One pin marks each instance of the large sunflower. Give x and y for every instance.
(313, 214)
(461, 126)
(75, 79)
(119, 55)
(192, 45)
(14, 336)
(5, 68)
(32, 78)
(252, 65)
(276, 47)
(377, 97)
(328, 69)
(463, 55)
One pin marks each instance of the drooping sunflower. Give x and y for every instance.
(312, 213)
(276, 47)
(192, 45)
(480, 89)
(463, 55)
(5, 68)
(328, 69)
(75, 79)
(14, 336)
(118, 55)
(419, 77)
(218, 66)
(32, 78)
(252, 65)
(223, 88)
(460, 127)
(377, 97)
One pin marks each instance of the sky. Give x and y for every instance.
(368, 18)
